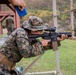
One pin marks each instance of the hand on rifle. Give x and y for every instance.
(19, 3)
(45, 42)
(63, 37)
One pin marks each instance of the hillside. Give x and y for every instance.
(43, 9)
(47, 4)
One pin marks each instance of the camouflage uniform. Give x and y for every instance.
(18, 46)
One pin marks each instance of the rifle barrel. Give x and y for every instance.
(32, 37)
(69, 34)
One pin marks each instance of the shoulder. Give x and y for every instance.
(20, 32)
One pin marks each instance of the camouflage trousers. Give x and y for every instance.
(4, 70)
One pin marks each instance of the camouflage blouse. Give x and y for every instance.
(17, 46)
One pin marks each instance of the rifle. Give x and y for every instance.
(51, 34)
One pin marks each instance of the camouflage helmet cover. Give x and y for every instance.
(34, 23)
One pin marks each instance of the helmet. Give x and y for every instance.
(34, 23)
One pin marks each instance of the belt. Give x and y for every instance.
(4, 60)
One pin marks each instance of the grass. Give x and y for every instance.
(3, 35)
(67, 52)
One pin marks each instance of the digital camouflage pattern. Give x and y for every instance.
(4, 70)
(34, 23)
(17, 46)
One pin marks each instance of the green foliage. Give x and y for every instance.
(63, 18)
(44, 14)
(3, 35)
(43, 9)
